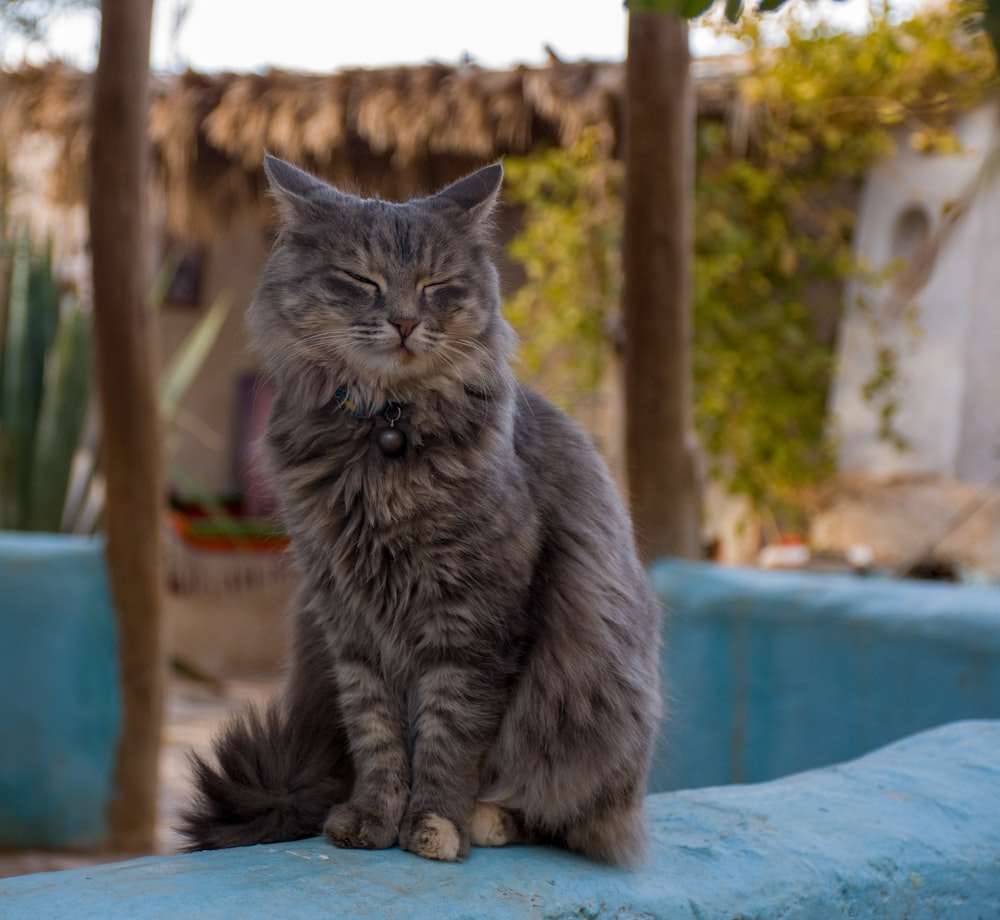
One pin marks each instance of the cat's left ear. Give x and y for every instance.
(477, 193)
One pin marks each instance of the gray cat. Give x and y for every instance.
(475, 646)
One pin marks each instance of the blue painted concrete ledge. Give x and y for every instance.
(772, 673)
(911, 831)
(60, 713)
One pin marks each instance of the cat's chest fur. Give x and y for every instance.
(429, 550)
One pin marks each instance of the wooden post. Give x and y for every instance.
(659, 177)
(131, 437)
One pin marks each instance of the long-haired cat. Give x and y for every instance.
(475, 642)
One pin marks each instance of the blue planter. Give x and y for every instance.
(60, 712)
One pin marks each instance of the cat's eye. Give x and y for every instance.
(436, 285)
(361, 279)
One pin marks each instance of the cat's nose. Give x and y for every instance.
(405, 325)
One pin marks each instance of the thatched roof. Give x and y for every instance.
(392, 131)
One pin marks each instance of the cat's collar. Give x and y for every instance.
(344, 402)
(391, 441)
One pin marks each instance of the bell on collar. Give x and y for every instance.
(391, 441)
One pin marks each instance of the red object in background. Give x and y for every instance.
(198, 528)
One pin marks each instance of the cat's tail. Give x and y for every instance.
(276, 774)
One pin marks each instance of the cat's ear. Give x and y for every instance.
(290, 180)
(477, 193)
(296, 190)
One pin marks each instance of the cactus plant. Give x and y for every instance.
(44, 388)
(46, 356)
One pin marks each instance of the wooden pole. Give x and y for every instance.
(659, 442)
(131, 437)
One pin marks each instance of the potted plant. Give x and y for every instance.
(58, 660)
(59, 671)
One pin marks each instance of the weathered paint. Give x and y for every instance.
(770, 673)
(60, 711)
(911, 831)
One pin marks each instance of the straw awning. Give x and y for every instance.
(393, 131)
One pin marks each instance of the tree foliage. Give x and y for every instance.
(570, 250)
(30, 19)
(773, 225)
(987, 11)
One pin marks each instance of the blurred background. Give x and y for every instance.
(845, 336)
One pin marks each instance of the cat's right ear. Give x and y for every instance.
(296, 191)
(288, 179)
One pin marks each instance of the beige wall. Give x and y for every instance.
(946, 336)
(204, 445)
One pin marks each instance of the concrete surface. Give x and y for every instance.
(911, 831)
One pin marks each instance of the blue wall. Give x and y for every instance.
(766, 673)
(769, 673)
(59, 701)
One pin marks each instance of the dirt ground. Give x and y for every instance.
(193, 711)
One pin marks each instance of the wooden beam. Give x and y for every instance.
(659, 183)
(131, 436)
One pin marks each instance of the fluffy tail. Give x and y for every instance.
(277, 774)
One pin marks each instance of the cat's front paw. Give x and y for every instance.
(493, 826)
(355, 827)
(433, 837)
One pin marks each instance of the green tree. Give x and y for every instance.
(770, 232)
(570, 250)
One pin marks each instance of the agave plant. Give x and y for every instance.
(49, 437)
(44, 388)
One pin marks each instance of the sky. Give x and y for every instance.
(325, 35)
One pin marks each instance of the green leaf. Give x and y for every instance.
(769, 6)
(164, 277)
(692, 9)
(190, 356)
(61, 415)
(19, 408)
(991, 24)
(46, 370)
(733, 8)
